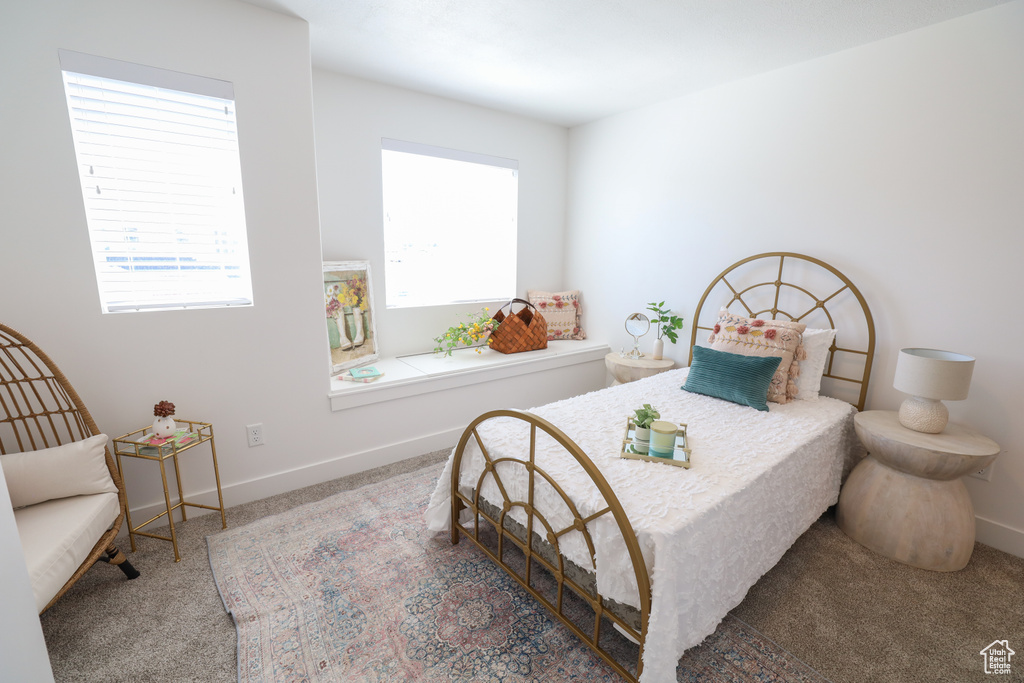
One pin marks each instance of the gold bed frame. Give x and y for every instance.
(820, 302)
(477, 507)
(472, 502)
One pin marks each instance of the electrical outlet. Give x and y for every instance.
(985, 473)
(254, 433)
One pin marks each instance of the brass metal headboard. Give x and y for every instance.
(852, 352)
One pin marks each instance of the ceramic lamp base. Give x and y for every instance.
(924, 415)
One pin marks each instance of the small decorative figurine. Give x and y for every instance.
(163, 425)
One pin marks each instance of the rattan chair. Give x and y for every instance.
(40, 409)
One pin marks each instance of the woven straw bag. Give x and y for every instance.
(523, 331)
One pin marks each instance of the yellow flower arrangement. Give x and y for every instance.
(354, 295)
(468, 334)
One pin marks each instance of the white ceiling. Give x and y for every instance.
(574, 61)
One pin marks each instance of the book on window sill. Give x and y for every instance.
(349, 377)
(365, 373)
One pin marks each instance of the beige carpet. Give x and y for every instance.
(848, 613)
(856, 616)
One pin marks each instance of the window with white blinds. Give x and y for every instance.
(158, 159)
(450, 225)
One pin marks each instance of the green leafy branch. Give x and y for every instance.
(645, 416)
(667, 322)
(474, 331)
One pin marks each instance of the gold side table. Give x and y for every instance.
(130, 445)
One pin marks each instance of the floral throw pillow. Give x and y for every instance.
(756, 337)
(562, 312)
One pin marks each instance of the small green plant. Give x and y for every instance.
(645, 416)
(478, 327)
(666, 323)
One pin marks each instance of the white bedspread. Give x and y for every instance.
(757, 482)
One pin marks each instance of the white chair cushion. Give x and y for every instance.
(58, 535)
(74, 469)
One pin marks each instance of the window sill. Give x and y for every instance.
(425, 373)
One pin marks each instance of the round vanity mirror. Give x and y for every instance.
(637, 325)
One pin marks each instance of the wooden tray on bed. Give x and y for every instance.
(680, 455)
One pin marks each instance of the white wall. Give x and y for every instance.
(267, 363)
(22, 648)
(353, 115)
(230, 367)
(901, 163)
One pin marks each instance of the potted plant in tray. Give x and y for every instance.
(666, 324)
(643, 417)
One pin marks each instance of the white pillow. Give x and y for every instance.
(816, 345)
(74, 469)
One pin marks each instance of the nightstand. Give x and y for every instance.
(905, 500)
(625, 370)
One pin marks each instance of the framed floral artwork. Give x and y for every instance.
(351, 322)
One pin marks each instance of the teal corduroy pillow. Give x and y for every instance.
(732, 377)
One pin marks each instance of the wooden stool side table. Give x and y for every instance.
(624, 370)
(130, 445)
(906, 500)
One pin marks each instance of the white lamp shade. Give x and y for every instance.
(934, 374)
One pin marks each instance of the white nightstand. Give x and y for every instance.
(625, 370)
(906, 500)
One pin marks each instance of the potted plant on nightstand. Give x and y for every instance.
(163, 425)
(666, 324)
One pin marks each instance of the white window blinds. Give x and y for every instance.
(158, 159)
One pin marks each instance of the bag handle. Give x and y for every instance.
(517, 300)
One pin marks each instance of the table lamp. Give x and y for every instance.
(930, 376)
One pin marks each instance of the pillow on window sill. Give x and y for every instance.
(732, 377)
(765, 338)
(816, 344)
(74, 469)
(561, 310)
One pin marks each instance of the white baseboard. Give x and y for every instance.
(281, 482)
(999, 536)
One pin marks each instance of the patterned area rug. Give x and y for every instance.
(353, 588)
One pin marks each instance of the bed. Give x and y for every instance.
(658, 553)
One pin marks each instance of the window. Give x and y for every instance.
(158, 158)
(449, 225)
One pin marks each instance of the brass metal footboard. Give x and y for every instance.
(556, 569)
